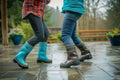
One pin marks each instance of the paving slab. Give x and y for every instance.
(105, 64)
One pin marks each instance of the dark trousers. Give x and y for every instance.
(40, 30)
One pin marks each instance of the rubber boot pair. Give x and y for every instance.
(85, 53)
(72, 59)
(25, 50)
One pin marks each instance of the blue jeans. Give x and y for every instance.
(69, 35)
(40, 30)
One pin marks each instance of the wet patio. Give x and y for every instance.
(105, 64)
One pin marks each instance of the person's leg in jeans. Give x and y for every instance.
(70, 19)
(86, 54)
(39, 31)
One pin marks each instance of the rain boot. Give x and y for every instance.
(85, 53)
(72, 59)
(20, 57)
(42, 53)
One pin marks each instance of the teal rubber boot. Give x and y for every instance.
(20, 57)
(42, 53)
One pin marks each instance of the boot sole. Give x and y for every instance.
(74, 66)
(44, 61)
(23, 67)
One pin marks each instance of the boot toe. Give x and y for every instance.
(21, 64)
(70, 63)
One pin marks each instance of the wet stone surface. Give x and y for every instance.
(105, 64)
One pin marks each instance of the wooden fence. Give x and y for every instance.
(93, 35)
(88, 35)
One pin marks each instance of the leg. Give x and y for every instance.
(41, 35)
(75, 38)
(43, 48)
(79, 43)
(38, 28)
(27, 47)
(67, 29)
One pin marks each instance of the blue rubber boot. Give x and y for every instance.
(42, 53)
(20, 57)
